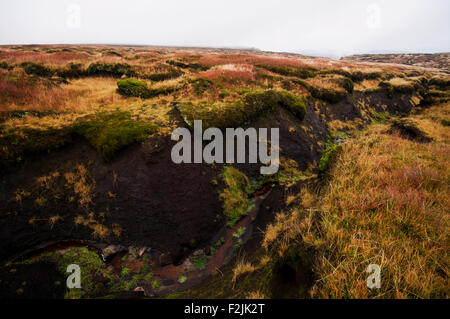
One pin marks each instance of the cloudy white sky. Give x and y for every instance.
(320, 27)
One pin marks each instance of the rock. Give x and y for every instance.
(142, 250)
(165, 259)
(111, 250)
(141, 290)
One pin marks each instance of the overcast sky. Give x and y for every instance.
(320, 27)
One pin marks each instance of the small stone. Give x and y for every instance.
(111, 250)
(139, 289)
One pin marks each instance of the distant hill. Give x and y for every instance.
(426, 60)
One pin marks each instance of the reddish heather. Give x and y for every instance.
(230, 74)
(59, 58)
(29, 95)
(16, 91)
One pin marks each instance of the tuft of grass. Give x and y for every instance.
(109, 132)
(235, 196)
(242, 267)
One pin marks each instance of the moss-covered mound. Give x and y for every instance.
(15, 145)
(110, 69)
(162, 76)
(37, 69)
(132, 87)
(72, 70)
(327, 94)
(248, 108)
(110, 132)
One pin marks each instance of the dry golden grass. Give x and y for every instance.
(98, 230)
(329, 82)
(81, 183)
(242, 267)
(53, 220)
(367, 85)
(386, 203)
(399, 81)
(256, 295)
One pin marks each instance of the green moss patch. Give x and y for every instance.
(110, 132)
(90, 264)
(110, 69)
(198, 261)
(136, 88)
(328, 156)
(235, 196)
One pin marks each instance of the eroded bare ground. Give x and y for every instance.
(87, 175)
